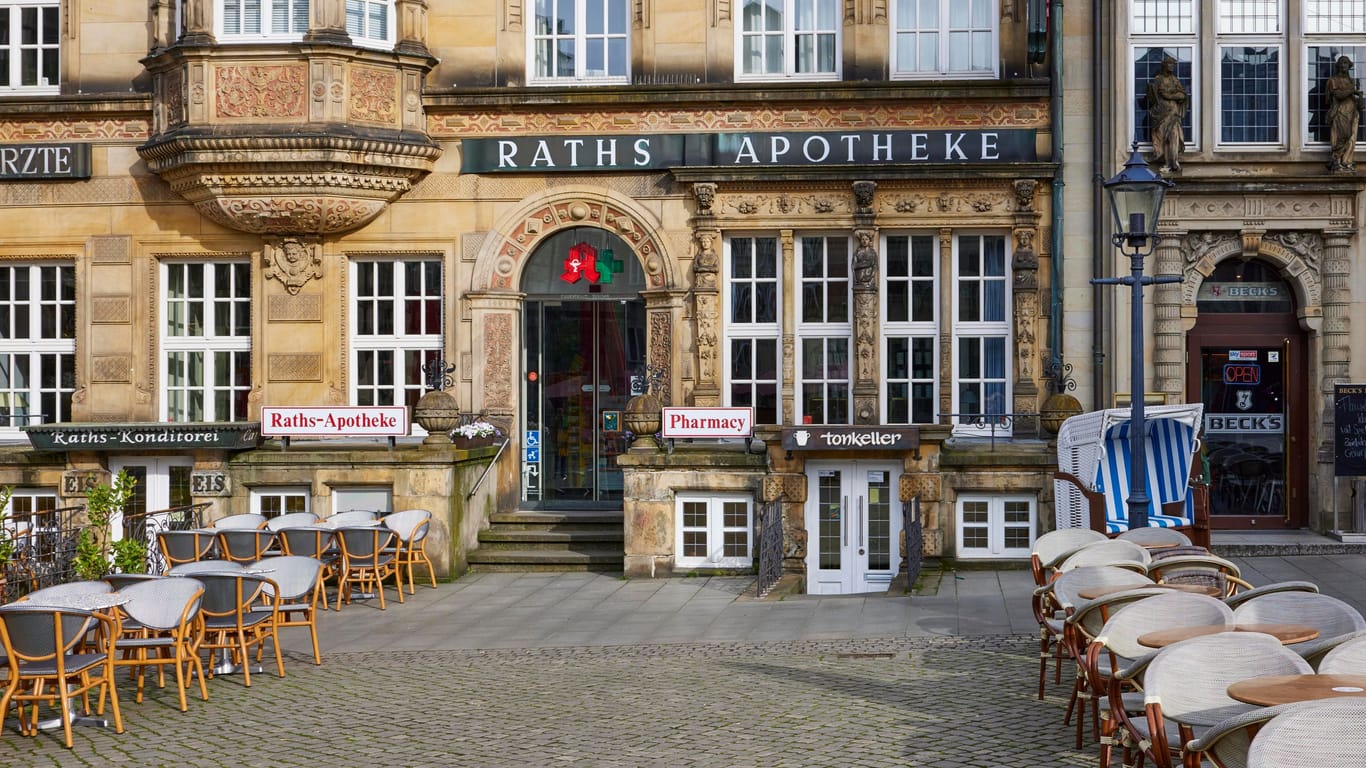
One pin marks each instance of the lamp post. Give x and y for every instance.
(1136, 200)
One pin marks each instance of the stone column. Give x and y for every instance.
(327, 22)
(1169, 359)
(946, 289)
(198, 22)
(866, 336)
(1025, 270)
(164, 30)
(706, 297)
(1337, 326)
(789, 322)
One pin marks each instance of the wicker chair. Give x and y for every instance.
(1053, 547)
(291, 520)
(1115, 659)
(245, 520)
(1186, 684)
(350, 517)
(368, 558)
(1334, 619)
(180, 547)
(1233, 601)
(231, 623)
(1313, 734)
(1123, 554)
(411, 527)
(160, 615)
(1155, 537)
(1199, 570)
(1346, 658)
(300, 591)
(1054, 601)
(1227, 742)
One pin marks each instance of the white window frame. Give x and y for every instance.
(1226, 39)
(297, 11)
(755, 332)
(1323, 35)
(14, 9)
(789, 34)
(996, 508)
(944, 34)
(909, 329)
(581, 38)
(207, 342)
(280, 493)
(361, 33)
(971, 331)
(398, 342)
(1166, 38)
(37, 348)
(18, 527)
(825, 331)
(715, 530)
(372, 498)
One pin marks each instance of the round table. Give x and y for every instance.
(1285, 689)
(1286, 633)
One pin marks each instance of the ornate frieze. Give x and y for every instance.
(374, 95)
(260, 91)
(516, 245)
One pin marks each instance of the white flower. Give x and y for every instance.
(476, 429)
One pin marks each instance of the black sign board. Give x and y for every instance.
(658, 151)
(818, 437)
(44, 161)
(143, 437)
(1349, 430)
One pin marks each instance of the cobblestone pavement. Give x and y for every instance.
(917, 701)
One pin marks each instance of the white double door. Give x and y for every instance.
(853, 526)
(162, 482)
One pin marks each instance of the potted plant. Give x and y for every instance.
(101, 503)
(7, 546)
(475, 434)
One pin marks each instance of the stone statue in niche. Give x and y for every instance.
(1166, 99)
(865, 261)
(1344, 116)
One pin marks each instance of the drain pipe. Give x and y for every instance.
(1099, 71)
(1055, 298)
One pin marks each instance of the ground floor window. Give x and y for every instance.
(995, 526)
(370, 498)
(714, 531)
(273, 502)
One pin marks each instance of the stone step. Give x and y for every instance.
(551, 540)
(544, 560)
(553, 537)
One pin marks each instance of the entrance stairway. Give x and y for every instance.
(551, 541)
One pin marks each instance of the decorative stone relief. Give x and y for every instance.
(1024, 195)
(374, 95)
(295, 367)
(111, 368)
(863, 197)
(516, 245)
(707, 318)
(302, 308)
(114, 310)
(274, 91)
(292, 260)
(706, 263)
(1307, 245)
(1199, 246)
(661, 348)
(1026, 308)
(705, 194)
(283, 215)
(784, 487)
(111, 249)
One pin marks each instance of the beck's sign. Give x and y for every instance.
(358, 421)
(707, 422)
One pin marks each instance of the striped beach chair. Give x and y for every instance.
(1091, 487)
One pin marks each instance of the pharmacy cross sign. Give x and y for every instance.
(584, 262)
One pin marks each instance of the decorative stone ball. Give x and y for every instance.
(438, 413)
(1057, 409)
(642, 415)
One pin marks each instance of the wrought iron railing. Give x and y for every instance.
(913, 530)
(144, 526)
(770, 546)
(988, 424)
(44, 551)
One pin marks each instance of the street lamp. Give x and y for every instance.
(1136, 200)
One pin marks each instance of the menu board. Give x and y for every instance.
(1349, 430)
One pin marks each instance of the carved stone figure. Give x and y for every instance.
(863, 196)
(1344, 116)
(706, 195)
(865, 261)
(1166, 99)
(293, 262)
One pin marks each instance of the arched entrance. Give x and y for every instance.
(1248, 363)
(584, 356)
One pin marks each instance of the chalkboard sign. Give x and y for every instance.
(1349, 435)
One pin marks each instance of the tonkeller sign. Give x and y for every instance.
(154, 436)
(815, 437)
(637, 152)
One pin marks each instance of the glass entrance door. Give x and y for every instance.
(161, 483)
(1245, 433)
(853, 526)
(585, 359)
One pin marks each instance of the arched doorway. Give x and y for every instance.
(1247, 362)
(584, 356)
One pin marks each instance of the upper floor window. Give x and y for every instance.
(1164, 29)
(981, 329)
(579, 40)
(944, 37)
(910, 302)
(278, 19)
(753, 303)
(788, 38)
(1333, 29)
(370, 22)
(397, 328)
(37, 344)
(206, 341)
(1250, 92)
(30, 45)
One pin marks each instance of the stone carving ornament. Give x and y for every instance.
(293, 261)
(1166, 100)
(1344, 116)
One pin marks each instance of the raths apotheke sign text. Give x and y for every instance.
(44, 161)
(359, 421)
(743, 150)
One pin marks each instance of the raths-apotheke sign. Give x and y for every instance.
(638, 152)
(155, 436)
(44, 161)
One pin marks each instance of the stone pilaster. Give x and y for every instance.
(946, 289)
(327, 22)
(496, 320)
(199, 18)
(706, 297)
(789, 322)
(664, 318)
(1169, 360)
(412, 26)
(1337, 326)
(1025, 296)
(866, 336)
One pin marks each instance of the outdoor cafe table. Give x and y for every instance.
(81, 602)
(1285, 689)
(1091, 593)
(1286, 633)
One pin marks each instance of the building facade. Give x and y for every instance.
(840, 215)
(1262, 224)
